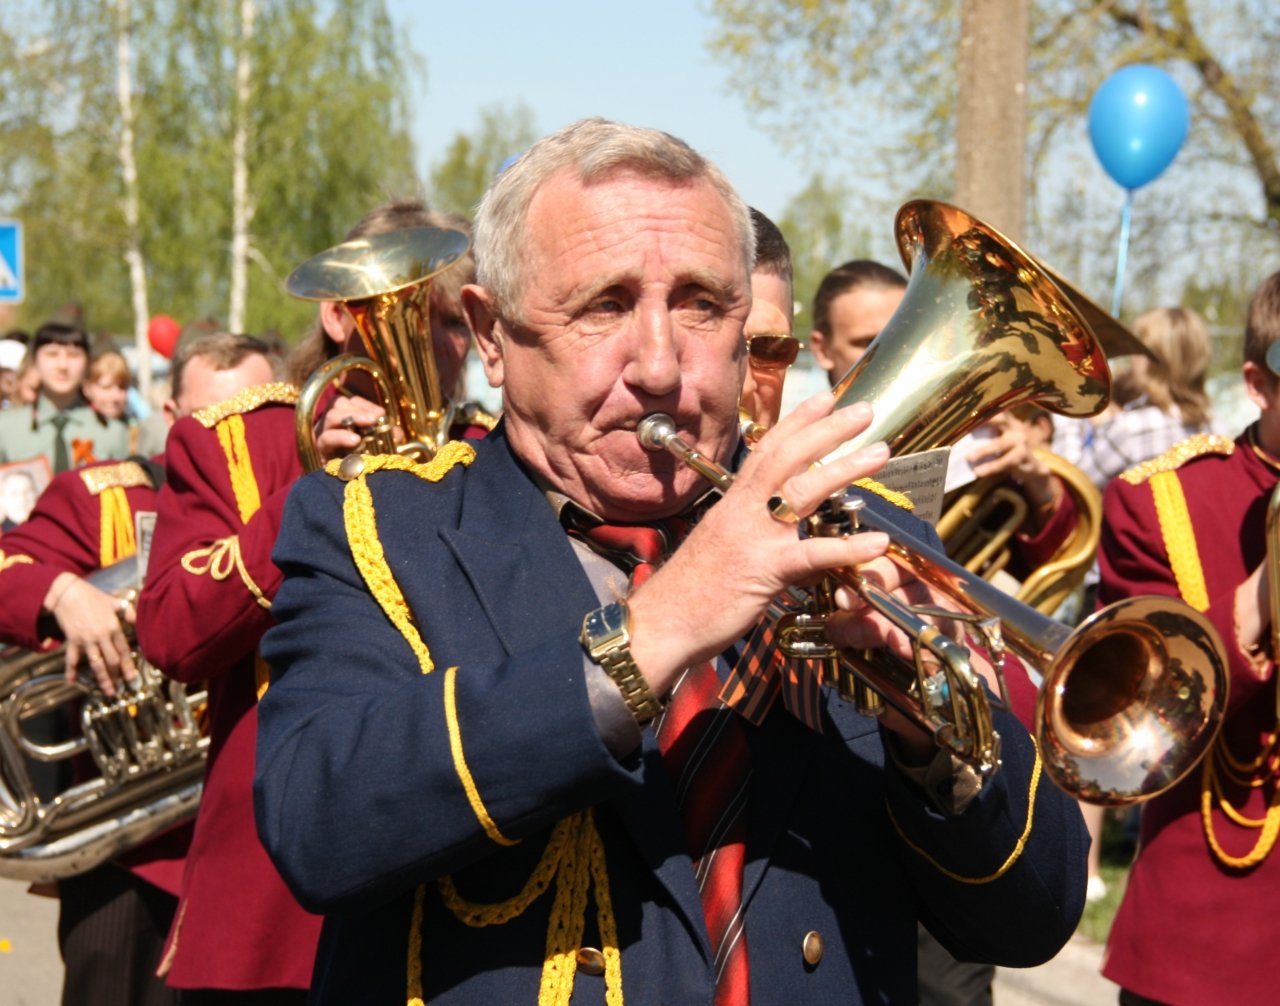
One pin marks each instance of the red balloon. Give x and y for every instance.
(163, 333)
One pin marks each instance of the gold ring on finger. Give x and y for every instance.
(780, 510)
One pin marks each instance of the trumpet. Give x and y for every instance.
(384, 283)
(1133, 697)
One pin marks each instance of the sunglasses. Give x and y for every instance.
(772, 352)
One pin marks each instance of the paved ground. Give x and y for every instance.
(31, 970)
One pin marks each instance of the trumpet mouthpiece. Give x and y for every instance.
(655, 430)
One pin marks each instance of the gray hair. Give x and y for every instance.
(595, 148)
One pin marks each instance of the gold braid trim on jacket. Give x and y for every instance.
(574, 857)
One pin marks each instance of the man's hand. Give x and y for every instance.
(1009, 453)
(740, 557)
(90, 621)
(340, 430)
(857, 626)
(1253, 619)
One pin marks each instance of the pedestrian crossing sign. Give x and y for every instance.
(12, 279)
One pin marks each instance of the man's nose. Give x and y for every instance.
(655, 366)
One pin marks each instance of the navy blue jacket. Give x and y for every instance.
(359, 800)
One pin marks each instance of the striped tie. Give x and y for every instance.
(704, 748)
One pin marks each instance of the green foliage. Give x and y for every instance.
(866, 89)
(459, 178)
(817, 224)
(329, 141)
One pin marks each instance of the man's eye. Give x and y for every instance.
(606, 305)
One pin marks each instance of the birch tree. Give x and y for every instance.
(129, 180)
(241, 204)
(325, 139)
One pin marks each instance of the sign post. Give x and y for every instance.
(12, 263)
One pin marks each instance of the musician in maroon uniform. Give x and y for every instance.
(112, 921)
(207, 603)
(1198, 922)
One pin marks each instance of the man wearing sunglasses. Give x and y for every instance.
(771, 347)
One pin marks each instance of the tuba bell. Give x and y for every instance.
(1133, 697)
(384, 283)
(138, 758)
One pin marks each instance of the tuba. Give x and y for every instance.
(139, 758)
(384, 283)
(981, 519)
(1133, 697)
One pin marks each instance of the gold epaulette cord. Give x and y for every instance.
(244, 483)
(1178, 455)
(1013, 856)
(278, 393)
(1188, 572)
(1179, 538)
(115, 527)
(574, 855)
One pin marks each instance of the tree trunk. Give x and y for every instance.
(129, 172)
(991, 120)
(242, 204)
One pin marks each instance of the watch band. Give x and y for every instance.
(606, 637)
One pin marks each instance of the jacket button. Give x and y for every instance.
(590, 961)
(812, 947)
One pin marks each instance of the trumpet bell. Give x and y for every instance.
(982, 328)
(1132, 701)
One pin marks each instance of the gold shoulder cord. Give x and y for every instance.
(115, 516)
(1184, 560)
(574, 857)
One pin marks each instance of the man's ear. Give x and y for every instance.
(336, 322)
(171, 413)
(482, 319)
(818, 346)
(1259, 383)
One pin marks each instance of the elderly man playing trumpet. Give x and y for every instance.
(499, 767)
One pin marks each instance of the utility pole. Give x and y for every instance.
(991, 117)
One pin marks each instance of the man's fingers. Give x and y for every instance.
(128, 669)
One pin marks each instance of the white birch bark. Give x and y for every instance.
(242, 204)
(129, 173)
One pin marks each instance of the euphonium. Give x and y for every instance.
(1132, 698)
(142, 772)
(384, 283)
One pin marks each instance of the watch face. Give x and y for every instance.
(605, 627)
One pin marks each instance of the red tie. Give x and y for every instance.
(705, 750)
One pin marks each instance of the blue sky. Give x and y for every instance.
(566, 59)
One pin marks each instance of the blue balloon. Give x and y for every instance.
(1137, 121)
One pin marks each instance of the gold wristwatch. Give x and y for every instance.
(606, 636)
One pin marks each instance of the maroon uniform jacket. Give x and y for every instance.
(83, 521)
(203, 610)
(1192, 929)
